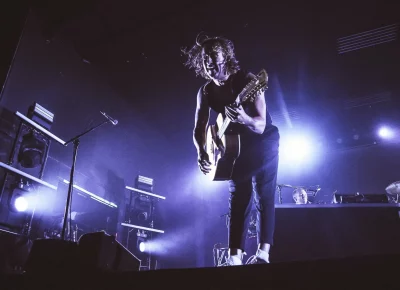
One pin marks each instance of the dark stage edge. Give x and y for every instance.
(364, 272)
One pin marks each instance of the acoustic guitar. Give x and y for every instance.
(223, 149)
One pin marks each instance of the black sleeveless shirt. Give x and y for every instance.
(236, 84)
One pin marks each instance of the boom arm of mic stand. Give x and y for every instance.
(84, 133)
(75, 141)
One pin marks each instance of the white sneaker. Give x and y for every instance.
(261, 257)
(233, 261)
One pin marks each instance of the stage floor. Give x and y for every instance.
(368, 272)
(314, 245)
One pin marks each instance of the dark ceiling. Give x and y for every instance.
(147, 28)
(137, 42)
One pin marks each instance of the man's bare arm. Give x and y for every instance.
(256, 120)
(255, 115)
(202, 116)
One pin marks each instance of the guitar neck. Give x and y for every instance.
(248, 91)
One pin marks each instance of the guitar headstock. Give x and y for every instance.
(256, 86)
(263, 76)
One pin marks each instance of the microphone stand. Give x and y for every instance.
(75, 141)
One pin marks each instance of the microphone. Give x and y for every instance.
(112, 121)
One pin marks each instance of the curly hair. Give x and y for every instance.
(195, 59)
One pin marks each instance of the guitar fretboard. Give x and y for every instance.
(242, 97)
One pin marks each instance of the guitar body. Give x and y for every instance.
(222, 152)
(223, 149)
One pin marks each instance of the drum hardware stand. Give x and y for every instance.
(219, 254)
(279, 186)
(393, 199)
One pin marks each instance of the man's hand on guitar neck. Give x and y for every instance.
(204, 162)
(236, 114)
(256, 121)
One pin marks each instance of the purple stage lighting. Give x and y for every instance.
(295, 148)
(142, 247)
(385, 133)
(21, 204)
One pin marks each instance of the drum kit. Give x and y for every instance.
(301, 194)
(393, 191)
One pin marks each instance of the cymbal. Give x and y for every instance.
(287, 185)
(307, 188)
(393, 188)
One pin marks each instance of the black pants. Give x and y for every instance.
(254, 180)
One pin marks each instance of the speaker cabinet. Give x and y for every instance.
(93, 252)
(103, 252)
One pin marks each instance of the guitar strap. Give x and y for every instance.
(205, 93)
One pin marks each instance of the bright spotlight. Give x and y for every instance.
(142, 247)
(385, 133)
(20, 198)
(296, 148)
(21, 204)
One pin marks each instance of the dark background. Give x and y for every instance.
(76, 58)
